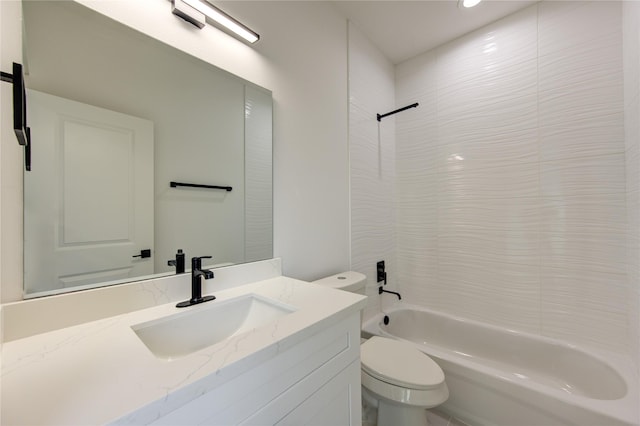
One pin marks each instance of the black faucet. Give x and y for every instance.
(196, 284)
(178, 262)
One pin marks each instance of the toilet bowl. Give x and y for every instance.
(397, 378)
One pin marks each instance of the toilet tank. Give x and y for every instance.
(351, 281)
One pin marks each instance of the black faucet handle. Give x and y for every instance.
(196, 262)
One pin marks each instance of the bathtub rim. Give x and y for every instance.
(623, 409)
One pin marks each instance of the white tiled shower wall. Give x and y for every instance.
(631, 56)
(511, 187)
(517, 177)
(372, 163)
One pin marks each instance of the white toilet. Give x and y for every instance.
(401, 380)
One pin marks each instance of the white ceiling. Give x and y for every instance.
(404, 29)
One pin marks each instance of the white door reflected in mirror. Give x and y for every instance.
(90, 195)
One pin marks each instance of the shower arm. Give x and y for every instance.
(381, 116)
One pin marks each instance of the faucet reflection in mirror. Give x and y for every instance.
(225, 119)
(178, 262)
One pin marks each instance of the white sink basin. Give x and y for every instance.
(199, 326)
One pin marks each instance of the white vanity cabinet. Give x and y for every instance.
(316, 382)
(302, 367)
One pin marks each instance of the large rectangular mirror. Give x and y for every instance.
(115, 117)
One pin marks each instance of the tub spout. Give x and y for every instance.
(381, 290)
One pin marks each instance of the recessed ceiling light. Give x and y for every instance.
(468, 3)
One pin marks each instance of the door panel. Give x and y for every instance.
(103, 158)
(89, 195)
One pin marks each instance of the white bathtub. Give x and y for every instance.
(498, 376)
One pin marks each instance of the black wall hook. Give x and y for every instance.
(20, 128)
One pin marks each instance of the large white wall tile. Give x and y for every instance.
(416, 78)
(631, 67)
(505, 43)
(563, 25)
(581, 100)
(487, 132)
(632, 141)
(456, 182)
(490, 275)
(582, 253)
(520, 214)
(417, 163)
(604, 213)
(588, 309)
(416, 141)
(599, 175)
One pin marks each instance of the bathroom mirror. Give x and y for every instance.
(115, 117)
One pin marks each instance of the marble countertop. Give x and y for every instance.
(101, 372)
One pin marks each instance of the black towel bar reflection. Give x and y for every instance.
(196, 185)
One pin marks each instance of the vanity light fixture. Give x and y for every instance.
(195, 11)
(465, 4)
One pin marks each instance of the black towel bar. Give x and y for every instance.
(195, 185)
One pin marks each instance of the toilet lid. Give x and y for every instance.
(399, 363)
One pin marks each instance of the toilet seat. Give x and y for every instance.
(399, 363)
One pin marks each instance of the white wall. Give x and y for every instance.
(302, 58)
(307, 43)
(631, 56)
(511, 175)
(307, 74)
(10, 173)
(373, 169)
(11, 157)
